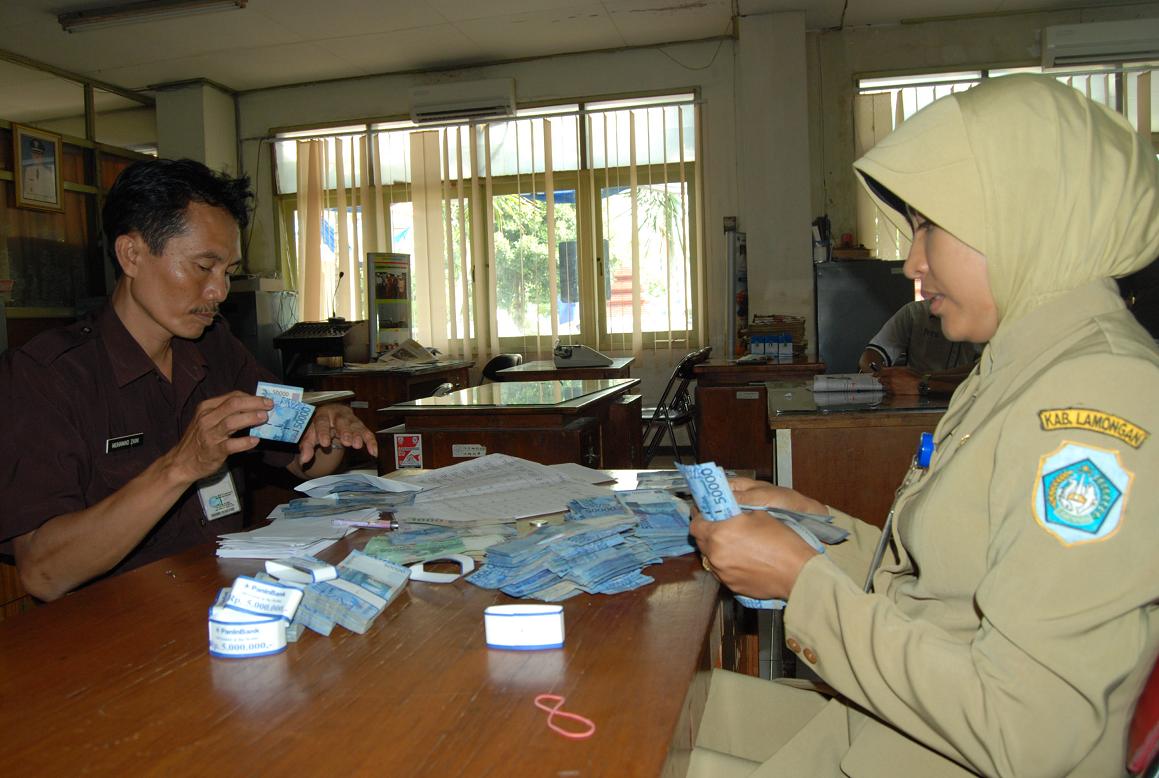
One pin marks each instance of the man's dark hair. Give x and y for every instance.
(150, 197)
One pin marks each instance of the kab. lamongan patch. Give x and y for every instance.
(1081, 493)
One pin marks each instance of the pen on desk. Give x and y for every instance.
(387, 524)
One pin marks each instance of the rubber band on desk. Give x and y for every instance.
(553, 711)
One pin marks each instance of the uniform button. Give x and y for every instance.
(204, 522)
(86, 330)
(793, 645)
(810, 656)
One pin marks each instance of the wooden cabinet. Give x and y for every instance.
(623, 443)
(732, 428)
(545, 421)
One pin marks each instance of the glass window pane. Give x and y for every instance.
(662, 213)
(522, 284)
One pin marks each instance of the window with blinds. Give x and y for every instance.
(573, 221)
(883, 103)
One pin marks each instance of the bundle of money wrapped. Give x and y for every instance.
(601, 548)
(361, 589)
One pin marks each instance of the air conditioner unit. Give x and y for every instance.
(1100, 42)
(462, 100)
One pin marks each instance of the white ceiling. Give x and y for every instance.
(278, 42)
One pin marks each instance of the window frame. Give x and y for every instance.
(590, 234)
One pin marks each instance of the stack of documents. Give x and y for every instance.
(498, 487)
(847, 389)
(282, 538)
(600, 549)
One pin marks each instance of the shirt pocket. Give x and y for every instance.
(115, 469)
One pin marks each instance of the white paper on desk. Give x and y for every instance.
(496, 487)
(291, 530)
(324, 486)
(580, 473)
(846, 382)
(259, 551)
(500, 506)
(282, 538)
(487, 475)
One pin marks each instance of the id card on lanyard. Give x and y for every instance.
(218, 495)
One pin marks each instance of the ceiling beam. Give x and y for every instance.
(68, 75)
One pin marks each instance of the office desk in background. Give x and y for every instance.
(545, 421)
(849, 457)
(376, 389)
(732, 411)
(116, 679)
(545, 370)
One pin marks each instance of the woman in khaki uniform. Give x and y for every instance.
(1013, 619)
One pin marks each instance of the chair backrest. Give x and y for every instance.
(675, 395)
(500, 362)
(1143, 736)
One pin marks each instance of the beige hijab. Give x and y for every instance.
(1056, 190)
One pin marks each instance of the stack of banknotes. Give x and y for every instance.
(422, 543)
(362, 589)
(716, 502)
(601, 548)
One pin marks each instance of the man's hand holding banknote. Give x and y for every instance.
(330, 427)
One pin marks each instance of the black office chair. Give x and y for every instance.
(500, 362)
(674, 409)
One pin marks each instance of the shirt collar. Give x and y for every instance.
(130, 362)
(1048, 327)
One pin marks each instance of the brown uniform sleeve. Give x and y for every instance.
(1066, 632)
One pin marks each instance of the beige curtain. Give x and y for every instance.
(327, 194)
(450, 188)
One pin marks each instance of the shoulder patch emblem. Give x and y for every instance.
(1081, 493)
(1095, 421)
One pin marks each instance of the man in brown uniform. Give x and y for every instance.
(1013, 620)
(122, 428)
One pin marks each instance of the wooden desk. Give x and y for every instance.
(545, 370)
(850, 459)
(719, 372)
(732, 411)
(547, 421)
(375, 390)
(116, 679)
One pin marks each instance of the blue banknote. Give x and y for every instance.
(713, 496)
(289, 416)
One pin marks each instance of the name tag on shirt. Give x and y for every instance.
(125, 441)
(218, 495)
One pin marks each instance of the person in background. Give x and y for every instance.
(123, 430)
(910, 355)
(1013, 619)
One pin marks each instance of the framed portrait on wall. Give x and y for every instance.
(36, 172)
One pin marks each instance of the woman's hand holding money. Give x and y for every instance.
(754, 554)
